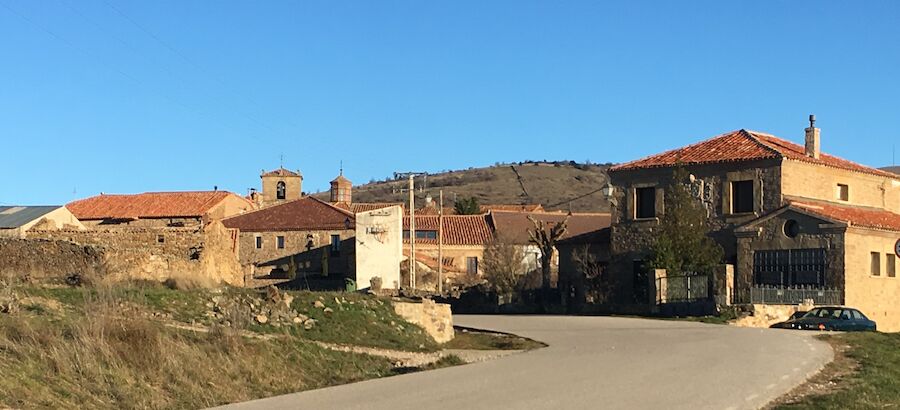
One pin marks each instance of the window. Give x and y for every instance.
(741, 197)
(875, 269)
(421, 234)
(790, 267)
(335, 243)
(472, 265)
(645, 202)
(890, 265)
(791, 228)
(280, 190)
(279, 242)
(160, 239)
(259, 242)
(843, 192)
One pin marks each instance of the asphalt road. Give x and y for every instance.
(595, 363)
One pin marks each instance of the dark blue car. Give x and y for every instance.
(830, 318)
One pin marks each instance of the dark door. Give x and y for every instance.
(641, 284)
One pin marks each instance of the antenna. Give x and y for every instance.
(342, 167)
(281, 161)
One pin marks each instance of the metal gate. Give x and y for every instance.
(789, 267)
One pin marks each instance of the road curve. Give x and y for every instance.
(595, 363)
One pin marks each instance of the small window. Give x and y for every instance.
(791, 228)
(875, 269)
(160, 239)
(259, 242)
(843, 192)
(645, 202)
(890, 265)
(280, 190)
(279, 241)
(472, 265)
(741, 197)
(335, 243)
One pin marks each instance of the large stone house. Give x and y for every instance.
(460, 250)
(786, 216)
(159, 209)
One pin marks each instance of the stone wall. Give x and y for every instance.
(263, 261)
(48, 260)
(435, 318)
(768, 315)
(812, 181)
(205, 255)
(875, 296)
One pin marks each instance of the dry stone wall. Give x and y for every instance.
(48, 260)
(435, 318)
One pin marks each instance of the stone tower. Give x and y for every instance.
(341, 189)
(279, 186)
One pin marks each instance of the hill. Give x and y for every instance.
(895, 170)
(555, 185)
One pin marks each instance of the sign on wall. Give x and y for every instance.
(897, 248)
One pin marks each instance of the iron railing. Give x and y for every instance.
(682, 288)
(778, 295)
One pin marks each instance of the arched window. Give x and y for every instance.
(280, 190)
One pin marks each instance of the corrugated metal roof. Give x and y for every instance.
(15, 216)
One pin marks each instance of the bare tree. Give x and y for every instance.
(546, 239)
(590, 275)
(503, 265)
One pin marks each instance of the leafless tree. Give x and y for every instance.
(503, 265)
(546, 239)
(590, 275)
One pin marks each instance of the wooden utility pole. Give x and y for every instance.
(441, 244)
(412, 233)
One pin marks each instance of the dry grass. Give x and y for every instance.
(96, 353)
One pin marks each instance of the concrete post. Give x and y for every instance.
(724, 284)
(658, 287)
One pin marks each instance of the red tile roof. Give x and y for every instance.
(515, 225)
(365, 206)
(187, 204)
(307, 213)
(281, 172)
(516, 208)
(457, 229)
(853, 215)
(742, 145)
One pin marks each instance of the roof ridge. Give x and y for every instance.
(660, 154)
(751, 135)
(328, 204)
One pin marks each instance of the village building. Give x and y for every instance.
(16, 221)
(460, 248)
(786, 215)
(159, 209)
(278, 186)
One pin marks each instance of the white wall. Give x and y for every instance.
(379, 246)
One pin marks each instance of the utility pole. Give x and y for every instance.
(441, 245)
(412, 224)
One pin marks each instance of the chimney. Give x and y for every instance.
(813, 142)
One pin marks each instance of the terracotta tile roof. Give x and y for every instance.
(281, 172)
(188, 204)
(457, 229)
(307, 213)
(515, 225)
(341, 179)
(433, 210)
(742, 145)
(855, 216)
(517, 208)
(365, 206)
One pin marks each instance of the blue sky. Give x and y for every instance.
(131, 96)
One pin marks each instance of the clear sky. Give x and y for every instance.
(131, 96)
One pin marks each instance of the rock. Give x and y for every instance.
(336, 300)
(273, 294)
(318, 304)
(287, 300)
(262, 319)
(309, 323)
(300, 318)
(217, 299)
(209, 305)
(328, 310)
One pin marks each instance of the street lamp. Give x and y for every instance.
(609, 192)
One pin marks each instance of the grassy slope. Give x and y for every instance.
(875, 385)
(111, 349)
(546, 184)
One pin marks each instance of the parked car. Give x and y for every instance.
(829, 318)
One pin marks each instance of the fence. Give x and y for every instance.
(775, 295)
(682, 288)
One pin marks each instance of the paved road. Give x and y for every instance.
(595, 363)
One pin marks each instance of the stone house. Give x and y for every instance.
(278, 186)
(786, 215)
(16, 221)
(159, 209)
(303, 238)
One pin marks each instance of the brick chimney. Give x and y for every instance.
(813, 142)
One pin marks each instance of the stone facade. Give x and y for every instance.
(631, 238)
(206, 255)
(875, 295)
(280, 186)
(311, 251)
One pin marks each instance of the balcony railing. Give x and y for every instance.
(774, 295)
